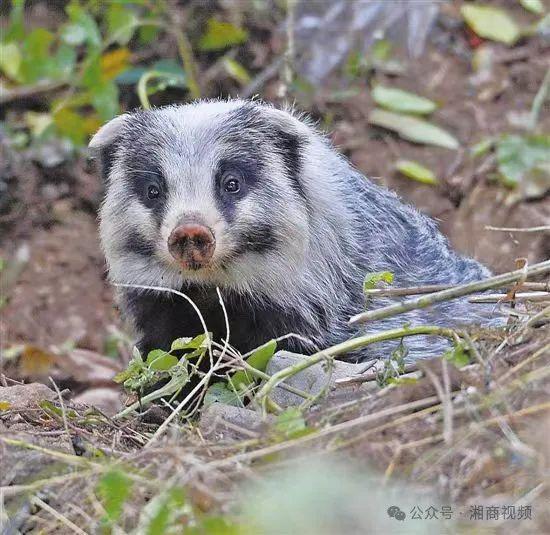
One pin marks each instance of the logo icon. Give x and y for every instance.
(395, 512)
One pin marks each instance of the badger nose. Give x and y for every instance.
(192, 245)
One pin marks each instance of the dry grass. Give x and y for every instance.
(475, 435)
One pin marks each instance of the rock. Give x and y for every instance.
(227, 422)
(107, 400)
(311, 380)
(90, 367)
(26, 396)
(21, 464)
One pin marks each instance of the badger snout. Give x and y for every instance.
(192, 245)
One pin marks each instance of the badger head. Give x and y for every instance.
(209, 193)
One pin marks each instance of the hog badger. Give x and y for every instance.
(252, 200)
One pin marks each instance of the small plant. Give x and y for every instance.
(173, 370)
(394, 367)
(159, 365)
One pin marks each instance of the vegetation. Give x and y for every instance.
(463, 131)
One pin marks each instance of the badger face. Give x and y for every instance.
(208, 193)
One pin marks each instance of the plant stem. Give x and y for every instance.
(345, 347)
(451, 293)
(186, 54)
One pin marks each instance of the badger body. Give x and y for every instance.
(240, 196)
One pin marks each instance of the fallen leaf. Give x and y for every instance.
(416, 171)
(35, 361)
(491, 23)
(413, 129)
(398, 100)
(534, 6)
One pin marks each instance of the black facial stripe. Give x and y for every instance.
(107, 157)
(258, 239)
(140, 143)
(137, 244)
(290, 147)
(248, 169)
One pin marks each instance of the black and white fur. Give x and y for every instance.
(292, 248)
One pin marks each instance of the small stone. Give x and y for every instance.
(312, 380)
(227, 422)
(105, 399)
(26, 396)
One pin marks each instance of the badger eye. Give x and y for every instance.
(231, 183)
(153, 191)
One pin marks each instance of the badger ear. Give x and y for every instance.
(108, 133)
(105, 142)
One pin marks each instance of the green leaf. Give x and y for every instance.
(291, 423)
(517, 156)
(534, 6)
(121, 23)
(381, 50)
(220, 393)
(458, 356)
(166, 73)
(259, 360)
(88, 26)
(71, 125)
(36, 63)
(413, 129)
(161, 512)
(202, 340)
(37, 122)
(147, 33)
(92, 76)
(114, 489)
(491, 23)
(236, 71)
(73, 34)
(10, 59)
(220, 35)
(416, 171)
(372, 279)
(16, 27)
(130, 76)
(134, 368)
(157, 359)
(262, 355)
(65, 60)
(482, 147)
(105, 100)
(401, 101)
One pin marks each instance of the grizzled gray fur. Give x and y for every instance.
(253, 200)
